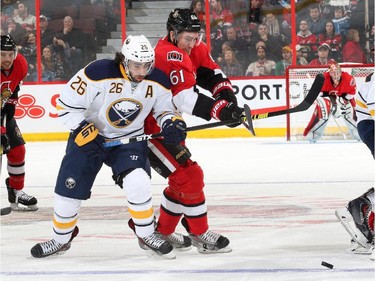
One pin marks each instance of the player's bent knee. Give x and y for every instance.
(17, 154)
(137, 185)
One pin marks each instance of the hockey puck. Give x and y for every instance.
(326, 264)
(5, 211)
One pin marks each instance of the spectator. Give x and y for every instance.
(46, 34)
(29, 49)
(316, 22)
(245, 29)
(220, 16)
(285, 62)
(273, 43)
(16, 31)
(47, 75)
(76, 40)
(306, 38)
(276, 29)
(230, 66)
(255, 12)
(62, 49)
(341, 21)
(238, 45)
(300, 59)
(220, 57)
(322, 59)
(352, 51)
(53, 62)
(334, 40)
(196, 7)
(261, 67)
(24, 18)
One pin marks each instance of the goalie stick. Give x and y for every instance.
(245, 120)
(304, 105)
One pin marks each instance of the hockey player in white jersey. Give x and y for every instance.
(110, 99)
(358, 216)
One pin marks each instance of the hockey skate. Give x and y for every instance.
(52, 247)
(155, 244)
(179, 242)
(208, 242)
(17, 197)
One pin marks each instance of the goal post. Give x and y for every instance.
(298, 82)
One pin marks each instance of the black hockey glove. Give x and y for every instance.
(224, 91)
(173, 130)
(4, 141)
(223, 111)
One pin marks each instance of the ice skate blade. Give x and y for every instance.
(151, 254)
(183, 249)
(15, 207)
(205, 251)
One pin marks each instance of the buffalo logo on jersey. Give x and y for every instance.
(123, 112)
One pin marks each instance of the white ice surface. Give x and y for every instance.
(274, 200)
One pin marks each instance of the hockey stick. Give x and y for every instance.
(304, 105)
(245, 120)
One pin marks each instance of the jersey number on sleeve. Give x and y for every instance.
(79, 86)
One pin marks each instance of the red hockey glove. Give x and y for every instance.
(224, 91)
(223, 110)
(4, 141)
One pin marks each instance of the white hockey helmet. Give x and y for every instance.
(137, 48)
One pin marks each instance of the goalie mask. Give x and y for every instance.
(335, 73)
(139, 57)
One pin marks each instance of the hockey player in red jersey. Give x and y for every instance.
(338, 90)
(13, 71)
(187, 62)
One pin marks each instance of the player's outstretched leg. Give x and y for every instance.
(154, 242)
(52, 247)
(19, 200)
(208, 242)
(358, 220)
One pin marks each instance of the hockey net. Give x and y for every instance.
(299, 81)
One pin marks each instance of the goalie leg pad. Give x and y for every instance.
(319, 119)
(349, 119)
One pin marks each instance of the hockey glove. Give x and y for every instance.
(223, 110)
(4, 141)
(344, 105)
(173, 130)
(224, 91)
(85, 133)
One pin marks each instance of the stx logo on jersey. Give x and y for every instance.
(174, 56)
(122, 112)
(26, 106)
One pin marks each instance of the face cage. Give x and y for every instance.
(127, 70)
